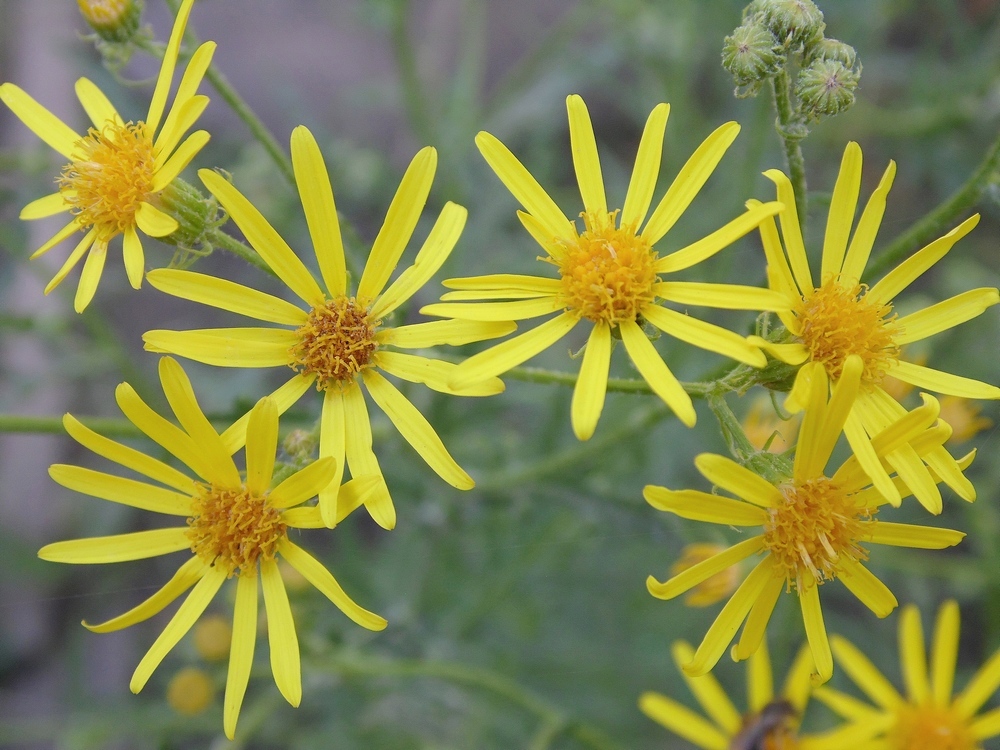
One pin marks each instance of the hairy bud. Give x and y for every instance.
(751, 55)
(113, 20)
(825, 88)
(793, 22)
(832, 49)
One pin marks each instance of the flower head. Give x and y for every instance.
(770, 722)
(236, 526)
(610, 273)
(838, 316)
(814, 527)
(338, 341)
(116, 171)
(928, 716)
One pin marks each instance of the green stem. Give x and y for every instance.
(414, 97)
(480, 678)
(933, 224)
(736, 379)
(231, 245)
(791, 132)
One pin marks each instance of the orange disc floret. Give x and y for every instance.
(232, 529)
(336, 342)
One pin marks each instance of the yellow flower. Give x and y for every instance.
(928, 716)
(843, 317)
(234, 527)
(763, 427)
(610, 274)
(117, 169)
(771, 721)
(338, 340)
(713, 589)
(814, 526)
(964, 417)
(190, 691)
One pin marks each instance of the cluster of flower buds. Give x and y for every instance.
(774, 32)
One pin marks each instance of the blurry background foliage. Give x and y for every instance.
(518, 613)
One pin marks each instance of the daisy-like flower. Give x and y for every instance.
(928, 716)
(338, 340)
(235, 527)
(771, 721)
(117, 169)
(814, 526)
(610, 274)
(841, 317)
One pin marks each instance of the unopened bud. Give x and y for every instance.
(832, 49)
(113, 20)
(825, 88)
(751, 55)
(196, 216)
(212, 637)
(793, 22)
(190, 691)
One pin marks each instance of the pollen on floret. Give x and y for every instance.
(815, 530)
(930, 727)
(107, 184)
(607, 272)
(336, 342)
(231, 529)
(837, 321)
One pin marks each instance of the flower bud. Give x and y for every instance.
(793, 22)
(212, 637)
(113, 20)
(190, 692)
(196, 215)
(751, 54)
(825, 88)
(832, 49)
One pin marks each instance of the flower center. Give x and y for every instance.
(930, 727)
(837, 321)
(607, 273)
(336, 342)
(770, 729)
(814, 530)
(232, 529)
(105, 186)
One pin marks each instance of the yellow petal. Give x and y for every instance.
(58, 237)
(846, 706)
(510, 283)
(180, 158)
(495, 311)
(913, 656)
(843, 205)
(819, 643)
(760, 679)
(915, 537)
(361, 459)
(185, 616)
(944, 315)
(400, 221)
(179, 118)
(655, 372)
(262, 442)
(443, 333)
(987, 725)
(154, 222)
(240, 651)
(864, 236)
(791, 231)
(778, 273)
(304, 484)
(138, 545)
(704, 335)
(46, 206)
(723, 296)
(281, 636)
(433, 373)
(798, 682)
(708, 246)
(867, 587)
(226, 347)
(435, 251)
(553, 245)
(416, 430)
(586, 163)
(913, 267)
(314, 572)
(93, 267)
(97, 106)
(264, 239)
(284, 397)
(226, 295)
(588, 394)
(502, 357)
(792, 354)
(980, 688)
(524, 187)
(128, 457)
(132, 253)
(943, 382)
(333, 445)
(74, 257)
(121, 490)
(704, 570)
(944, 652)
(646, 169)
(42, 123)
(165, 78)
(730, 476)
(682, 721)
(865, 674)
(186, 576)
(752, 639)
(868, 460)
(708, 692)
(316, 194)
(701, 506)
(689, 181)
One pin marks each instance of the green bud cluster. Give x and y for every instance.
(778, 34)
(196, 215)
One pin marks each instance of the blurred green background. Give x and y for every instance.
(518, 612)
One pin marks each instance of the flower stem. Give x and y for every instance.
(231, 245)
(934, 223)
(792, 132)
